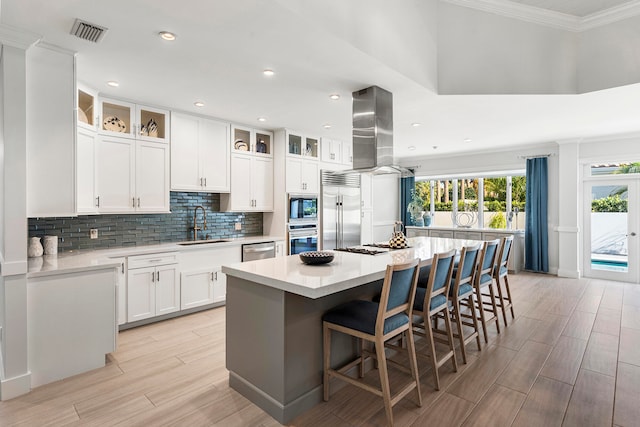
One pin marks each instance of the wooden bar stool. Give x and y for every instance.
(377, 323)
(483, 284)
(461, 294)
(430, 303)
(502, 272)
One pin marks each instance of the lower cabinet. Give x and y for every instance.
(202, 281)
(152, 290)
(202, 287)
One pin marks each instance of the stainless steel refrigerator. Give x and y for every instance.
(340, 201)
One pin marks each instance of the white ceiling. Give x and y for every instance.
(223, 46)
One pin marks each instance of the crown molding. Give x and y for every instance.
(16, 37)
(611, 15)
(550, 18)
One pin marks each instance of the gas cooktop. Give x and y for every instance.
(383, 245)
(364, 251)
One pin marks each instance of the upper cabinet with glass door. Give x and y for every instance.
(254, 141)
(124, 119)
(87, 110)
(302, 145)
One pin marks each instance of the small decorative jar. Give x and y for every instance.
(35, 247)
(50, 245)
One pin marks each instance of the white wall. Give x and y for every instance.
(609, 56)
(484, 53)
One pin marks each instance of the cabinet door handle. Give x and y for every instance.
(153, 276)
(122, 265)
(212, 276)
(200, 182)
(138, 201)
(215, 274)
(98, 201)
(133, 202)
(158, 276)
(205, 182)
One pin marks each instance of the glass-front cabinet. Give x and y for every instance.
(300, 145)
(254, 141)
(124, 119)
(87, 111)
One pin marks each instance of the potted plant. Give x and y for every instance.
(416, 209)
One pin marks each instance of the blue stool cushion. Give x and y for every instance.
(361, 316)
(485, 279)
(465, 288)
(436, 301)
(423, 276)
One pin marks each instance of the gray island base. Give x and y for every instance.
(274, 311)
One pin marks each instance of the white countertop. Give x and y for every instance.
(347, 270)
(84, 260)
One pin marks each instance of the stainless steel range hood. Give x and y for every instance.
(373, 132)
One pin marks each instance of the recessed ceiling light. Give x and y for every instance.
(199, 104)
(411, 147)
(113, 83)
(268, 72)
(166, 35)
(467, 140)
(326, 126)
(262, 119)
(416, 124)
(334, 96)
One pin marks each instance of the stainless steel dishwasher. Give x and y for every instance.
(254, 251)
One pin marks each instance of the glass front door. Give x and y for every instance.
(611, 227)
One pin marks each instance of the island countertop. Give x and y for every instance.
(347, 270)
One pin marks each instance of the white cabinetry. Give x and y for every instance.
(50, 137)
(71, 322)
(337, 152)
(200, 154)
(131, 176)
(153, 286)
(152, 177)
(251, 184)
(121, 290)
(250, 140)
(127, 120)
(201, 280)
(347, 153)
(302, 176)
(280, 248)
(301, 168)
(86, 171)
(331, 150)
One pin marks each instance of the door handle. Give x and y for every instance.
(98, 201)
(158, 273)
(633, 233)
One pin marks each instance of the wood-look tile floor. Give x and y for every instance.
(571, 357)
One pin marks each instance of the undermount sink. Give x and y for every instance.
(202, 242)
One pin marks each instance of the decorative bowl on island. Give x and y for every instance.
(316, 257)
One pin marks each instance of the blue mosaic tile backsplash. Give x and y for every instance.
(116, 231)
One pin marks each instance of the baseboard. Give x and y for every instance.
(282, 413)
(572, 274)
(16, 386)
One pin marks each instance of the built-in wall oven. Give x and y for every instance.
(303, 237)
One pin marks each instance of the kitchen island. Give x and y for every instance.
(273, 320)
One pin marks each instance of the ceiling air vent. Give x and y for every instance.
(87, 31)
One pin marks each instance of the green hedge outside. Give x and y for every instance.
(490, 206)
(609, 204)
